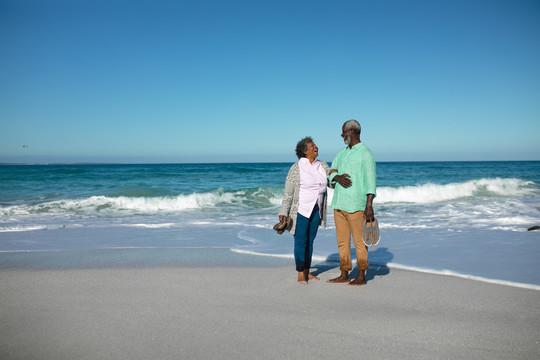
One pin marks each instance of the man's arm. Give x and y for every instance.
(369, 215)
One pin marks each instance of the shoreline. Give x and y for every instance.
(148, 257)
(246, 312)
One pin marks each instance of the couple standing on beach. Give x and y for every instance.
(353, 178)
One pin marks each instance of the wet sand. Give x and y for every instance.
(251, 312)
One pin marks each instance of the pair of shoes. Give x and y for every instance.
(281, 226)
(371, 234)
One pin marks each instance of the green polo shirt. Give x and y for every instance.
(359, 164)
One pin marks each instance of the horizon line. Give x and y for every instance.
(236, 162)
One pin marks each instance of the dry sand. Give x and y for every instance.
(231, 312)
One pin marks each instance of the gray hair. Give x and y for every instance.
(301, 147)
(353, 124)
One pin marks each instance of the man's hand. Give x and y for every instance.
(369, 215)
(343, 180)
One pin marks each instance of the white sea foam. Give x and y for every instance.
(431, 193)
(151, 226)
(20, 228)
(23, 228)
(463, 276)
(110, 205)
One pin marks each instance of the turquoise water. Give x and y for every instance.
(76, 181)
(455, 217)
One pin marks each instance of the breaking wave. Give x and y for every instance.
(264, 198)
(432, 193)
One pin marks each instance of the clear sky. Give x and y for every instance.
(242, 81)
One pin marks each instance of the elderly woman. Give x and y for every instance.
(304, 201)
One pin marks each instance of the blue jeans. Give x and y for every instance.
(306, 230)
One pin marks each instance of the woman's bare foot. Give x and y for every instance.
(313, 277)
(309, 276)
(301, 278)
(343, 278)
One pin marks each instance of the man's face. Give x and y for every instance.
(346, 135)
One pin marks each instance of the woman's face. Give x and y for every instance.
(312, 151)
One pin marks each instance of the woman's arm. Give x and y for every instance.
(288, 193)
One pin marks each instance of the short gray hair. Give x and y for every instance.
(353, 124)
(301, 147)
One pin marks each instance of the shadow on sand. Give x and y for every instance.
(378, 260)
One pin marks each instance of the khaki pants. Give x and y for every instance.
(347, 224)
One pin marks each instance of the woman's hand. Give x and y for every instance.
(282, 217)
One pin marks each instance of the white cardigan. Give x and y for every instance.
(289, 206)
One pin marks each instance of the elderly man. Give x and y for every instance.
(353, 173)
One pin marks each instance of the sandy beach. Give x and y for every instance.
(259, 312)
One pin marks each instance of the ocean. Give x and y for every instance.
(466, 219)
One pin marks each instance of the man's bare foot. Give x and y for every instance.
(301, 278)
(360, 279)
(343, 278)
(357, 282)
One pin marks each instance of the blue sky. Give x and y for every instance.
(227, 81)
